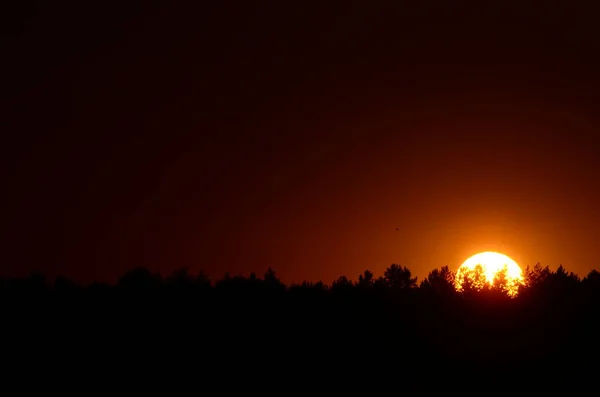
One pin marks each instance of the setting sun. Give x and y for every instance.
(483, 268)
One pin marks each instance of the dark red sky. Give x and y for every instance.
(241, 136)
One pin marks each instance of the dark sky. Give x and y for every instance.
(233, 136)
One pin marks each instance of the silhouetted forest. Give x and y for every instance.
(348, 330)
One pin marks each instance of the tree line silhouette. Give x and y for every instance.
(396, 282)
(253, 323)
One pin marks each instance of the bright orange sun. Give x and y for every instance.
(484, 267)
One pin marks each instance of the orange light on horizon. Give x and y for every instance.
(492, 263)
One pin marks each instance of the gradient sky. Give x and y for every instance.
(234, 137)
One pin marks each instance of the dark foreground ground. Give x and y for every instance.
(285, 341)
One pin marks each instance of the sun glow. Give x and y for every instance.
(491, 268)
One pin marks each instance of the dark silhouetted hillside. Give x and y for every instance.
(352, 331)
